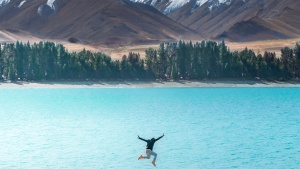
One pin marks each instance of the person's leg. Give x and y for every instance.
(155, 155)
(148, 153)
(140, 157)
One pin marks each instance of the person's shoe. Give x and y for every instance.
(153, 162)
(140, 157)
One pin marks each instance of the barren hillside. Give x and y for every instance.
(242, 20)
(109, 22)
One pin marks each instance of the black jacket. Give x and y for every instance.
(150, 143)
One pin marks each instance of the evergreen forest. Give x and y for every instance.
(171, 61)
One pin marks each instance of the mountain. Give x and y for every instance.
(235, 20)
(151, 21)
(242, 20)
(92, 21)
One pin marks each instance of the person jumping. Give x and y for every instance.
(149, 148)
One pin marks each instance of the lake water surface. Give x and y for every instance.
(209, 128)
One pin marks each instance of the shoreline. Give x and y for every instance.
(148, 84)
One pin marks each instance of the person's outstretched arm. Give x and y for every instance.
(160, 137)
(142, 139)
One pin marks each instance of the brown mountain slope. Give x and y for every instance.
(93, 21)
(248, 20)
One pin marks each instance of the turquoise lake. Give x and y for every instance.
(208, 128)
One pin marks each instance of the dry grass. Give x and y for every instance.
(259, 47)
(8, 37)
(114, 52)
(117, 53)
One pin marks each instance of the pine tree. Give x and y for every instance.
(172, 71)
(287, 62)
(162, 61)
(181, 61)
(151, 62)
(1, 61)
(297, 59)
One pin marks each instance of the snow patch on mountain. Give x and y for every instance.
(171, 5)
(21, 4)
(47, 9)
(4, 2)
(50, 4)
(216, 2)
(175, 4)
(201, 2)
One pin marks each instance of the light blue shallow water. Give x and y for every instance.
(209, 128)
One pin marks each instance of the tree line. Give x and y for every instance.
(171, 61)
